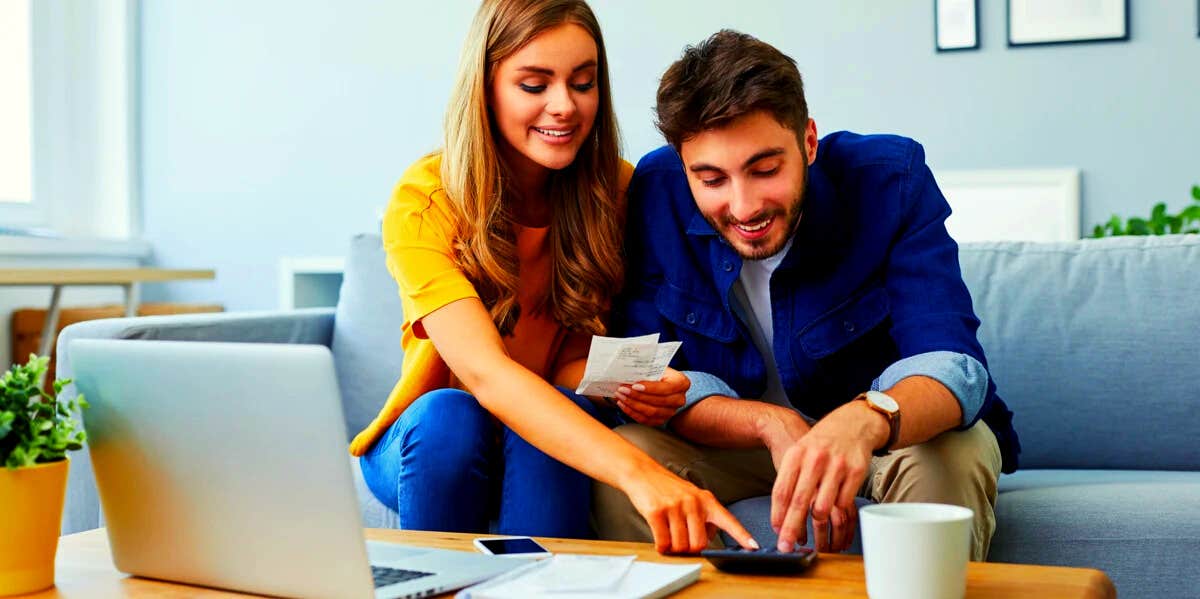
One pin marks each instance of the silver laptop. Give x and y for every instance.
(225, 465)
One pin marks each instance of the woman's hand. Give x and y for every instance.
(682, 516)
(653, 403)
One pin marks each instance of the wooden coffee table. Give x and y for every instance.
(85, 570)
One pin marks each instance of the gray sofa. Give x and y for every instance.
(1093, 344)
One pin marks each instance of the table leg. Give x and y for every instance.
(133, 296)
(50, 327)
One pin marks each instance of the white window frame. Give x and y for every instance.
(85, 121)
(22, 211)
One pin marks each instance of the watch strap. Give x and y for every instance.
(893, 419)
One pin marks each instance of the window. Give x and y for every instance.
(16, 139)
(68, 155)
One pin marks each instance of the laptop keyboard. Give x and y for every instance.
(385, 576)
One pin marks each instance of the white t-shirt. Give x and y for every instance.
(753, 290)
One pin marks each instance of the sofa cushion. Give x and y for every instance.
(366, 333)
(1139, 527)
(1093, 346)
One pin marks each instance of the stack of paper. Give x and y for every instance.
(613, 361)
(567, 576)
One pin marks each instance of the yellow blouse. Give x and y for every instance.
(418, 229)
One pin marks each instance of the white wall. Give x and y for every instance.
(275, 128)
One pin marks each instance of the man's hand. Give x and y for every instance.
(779, 429)
(821, 473)
(653, 403)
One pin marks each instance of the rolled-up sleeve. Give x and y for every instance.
(963, 375)
(704, 385)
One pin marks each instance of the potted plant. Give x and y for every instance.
(1160, 222)
(36, 432)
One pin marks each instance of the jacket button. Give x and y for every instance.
(728, 266)
(849, 326)
(691, 318)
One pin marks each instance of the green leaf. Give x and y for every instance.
(1098, 232)
(1138, 226)
(1196, 192)
(1114, 225)
(1191, 213)
(6, 421)
(1158, 219)
(19, 457)
(34, 426)
(1159, 211)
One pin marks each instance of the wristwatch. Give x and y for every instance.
(884, 404)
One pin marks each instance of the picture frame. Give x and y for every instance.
(955, 25)
(1045, 22)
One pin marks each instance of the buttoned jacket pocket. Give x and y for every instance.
(845, 324)
(690, 313)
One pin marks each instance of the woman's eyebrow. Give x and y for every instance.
(550, 72)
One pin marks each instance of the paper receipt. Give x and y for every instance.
(616, 361)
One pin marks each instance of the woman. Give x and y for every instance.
(506, 249)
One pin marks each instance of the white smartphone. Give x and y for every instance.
(512, 547)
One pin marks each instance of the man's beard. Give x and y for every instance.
(790, 217)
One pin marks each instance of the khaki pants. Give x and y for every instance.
(955, 467)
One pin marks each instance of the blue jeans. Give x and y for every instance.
(443, 463)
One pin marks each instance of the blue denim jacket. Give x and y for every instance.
(872, 278)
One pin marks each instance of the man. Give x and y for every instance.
(827, 332)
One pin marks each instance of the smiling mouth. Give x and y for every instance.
(554, 132)
(754, 227)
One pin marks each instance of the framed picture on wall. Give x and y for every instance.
(955, 25)
(1038, 22)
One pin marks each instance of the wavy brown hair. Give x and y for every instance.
(728, 75)
(586, 226)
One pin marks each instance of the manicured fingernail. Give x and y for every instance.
(783, 547)
(625, 390)
(639, 387)
(754, 544)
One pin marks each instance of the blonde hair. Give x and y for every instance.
(587, 222)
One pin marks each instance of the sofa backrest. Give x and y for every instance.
(1094, 345)
(366, 332)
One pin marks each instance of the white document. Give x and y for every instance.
(615, 361)
(580, 573)
(567, 576)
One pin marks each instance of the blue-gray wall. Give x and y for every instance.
(275, 128)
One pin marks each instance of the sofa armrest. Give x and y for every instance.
(310, 326)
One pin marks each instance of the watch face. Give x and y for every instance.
(883, 400)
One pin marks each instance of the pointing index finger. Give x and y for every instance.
(724, 520)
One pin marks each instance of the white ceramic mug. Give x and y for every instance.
(916, 550)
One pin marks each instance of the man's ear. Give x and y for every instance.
(810, 141)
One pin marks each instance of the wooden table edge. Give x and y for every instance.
(85, 564)
(99, 276)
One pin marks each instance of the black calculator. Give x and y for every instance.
(768, 560)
